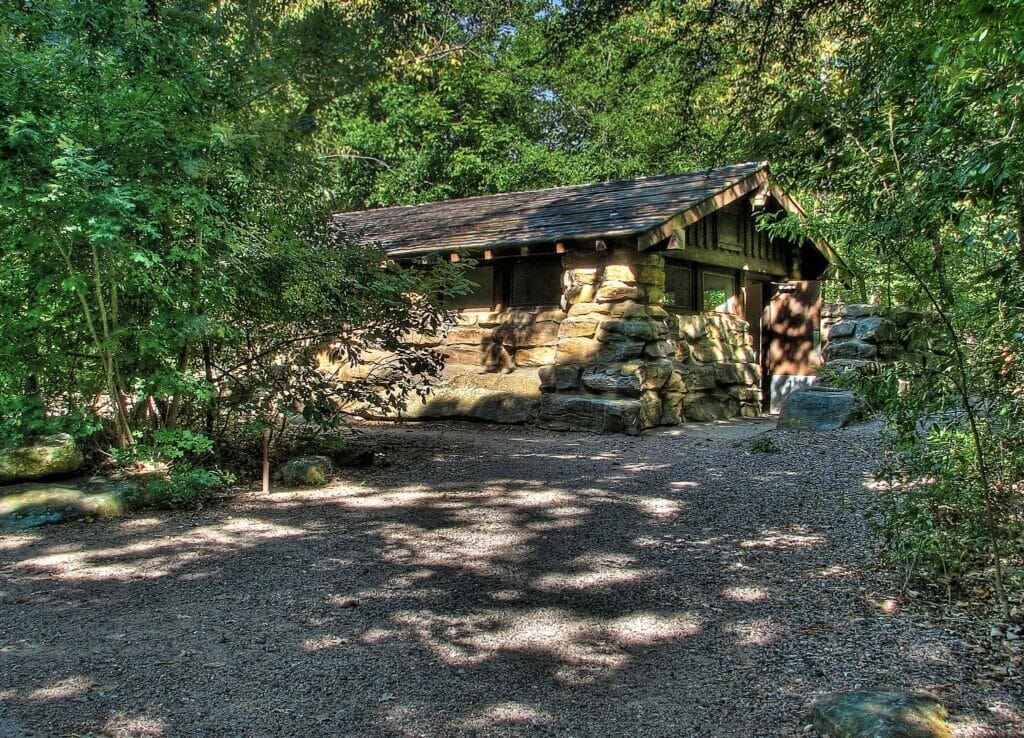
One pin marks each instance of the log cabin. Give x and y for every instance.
(617, 306)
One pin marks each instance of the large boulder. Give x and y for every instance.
(595, 414)
(611, 378)
(31, 505)
(703, 408)
(48, 456)
(860, 366)
(695, 377)
(819, 408)
(880, 714)
(849, 349)
(842, 330)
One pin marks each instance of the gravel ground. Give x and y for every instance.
(490, 581)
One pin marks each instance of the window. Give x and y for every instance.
(482, 296)
(678, 286)
(718, 290)
(536, 282)
(518, 284)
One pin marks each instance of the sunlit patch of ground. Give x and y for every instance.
(494, 582)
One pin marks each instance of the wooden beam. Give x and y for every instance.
(760, 198)
(732, 260)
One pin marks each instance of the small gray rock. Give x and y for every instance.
(880, 714)
(819, 409)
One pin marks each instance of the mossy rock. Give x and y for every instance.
(48, 456)
(880, 714)
(26, 506)
(307, 471)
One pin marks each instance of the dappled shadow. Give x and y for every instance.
(497, 581)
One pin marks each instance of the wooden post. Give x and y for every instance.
(266, 460)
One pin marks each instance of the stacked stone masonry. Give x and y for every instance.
(609, 359)
(624, 364)
(863, 337)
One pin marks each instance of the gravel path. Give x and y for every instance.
(491, 581)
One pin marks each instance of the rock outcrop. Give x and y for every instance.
(863, 337)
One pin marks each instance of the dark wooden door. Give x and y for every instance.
(791, 323)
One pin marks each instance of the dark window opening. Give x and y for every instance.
(678, 286)
(536, 283)
(482, 294)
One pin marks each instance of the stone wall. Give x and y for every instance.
(861, 337)
(724, 378)
(610, 358)
(624, 364)
(491, 369)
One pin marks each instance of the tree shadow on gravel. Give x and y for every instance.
(494, 582)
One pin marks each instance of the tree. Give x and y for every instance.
(908, 138)
(163, 192)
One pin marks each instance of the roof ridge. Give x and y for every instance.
(757, 166)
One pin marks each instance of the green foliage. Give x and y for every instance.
(166, 171)
(187, 484)
(165, 181)
(934, 511)
(878, 390)
(24, 418)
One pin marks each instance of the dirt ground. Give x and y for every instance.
(489, 581)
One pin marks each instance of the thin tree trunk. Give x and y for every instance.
(175, 407)
(208, 368)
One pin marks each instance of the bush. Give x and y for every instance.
(24, 418)
(187, 483)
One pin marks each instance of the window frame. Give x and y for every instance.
(508, 284)
(502, 283)
(694, 270)
(494, 291)
(727, 274)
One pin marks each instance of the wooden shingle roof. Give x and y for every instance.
(620, 208)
